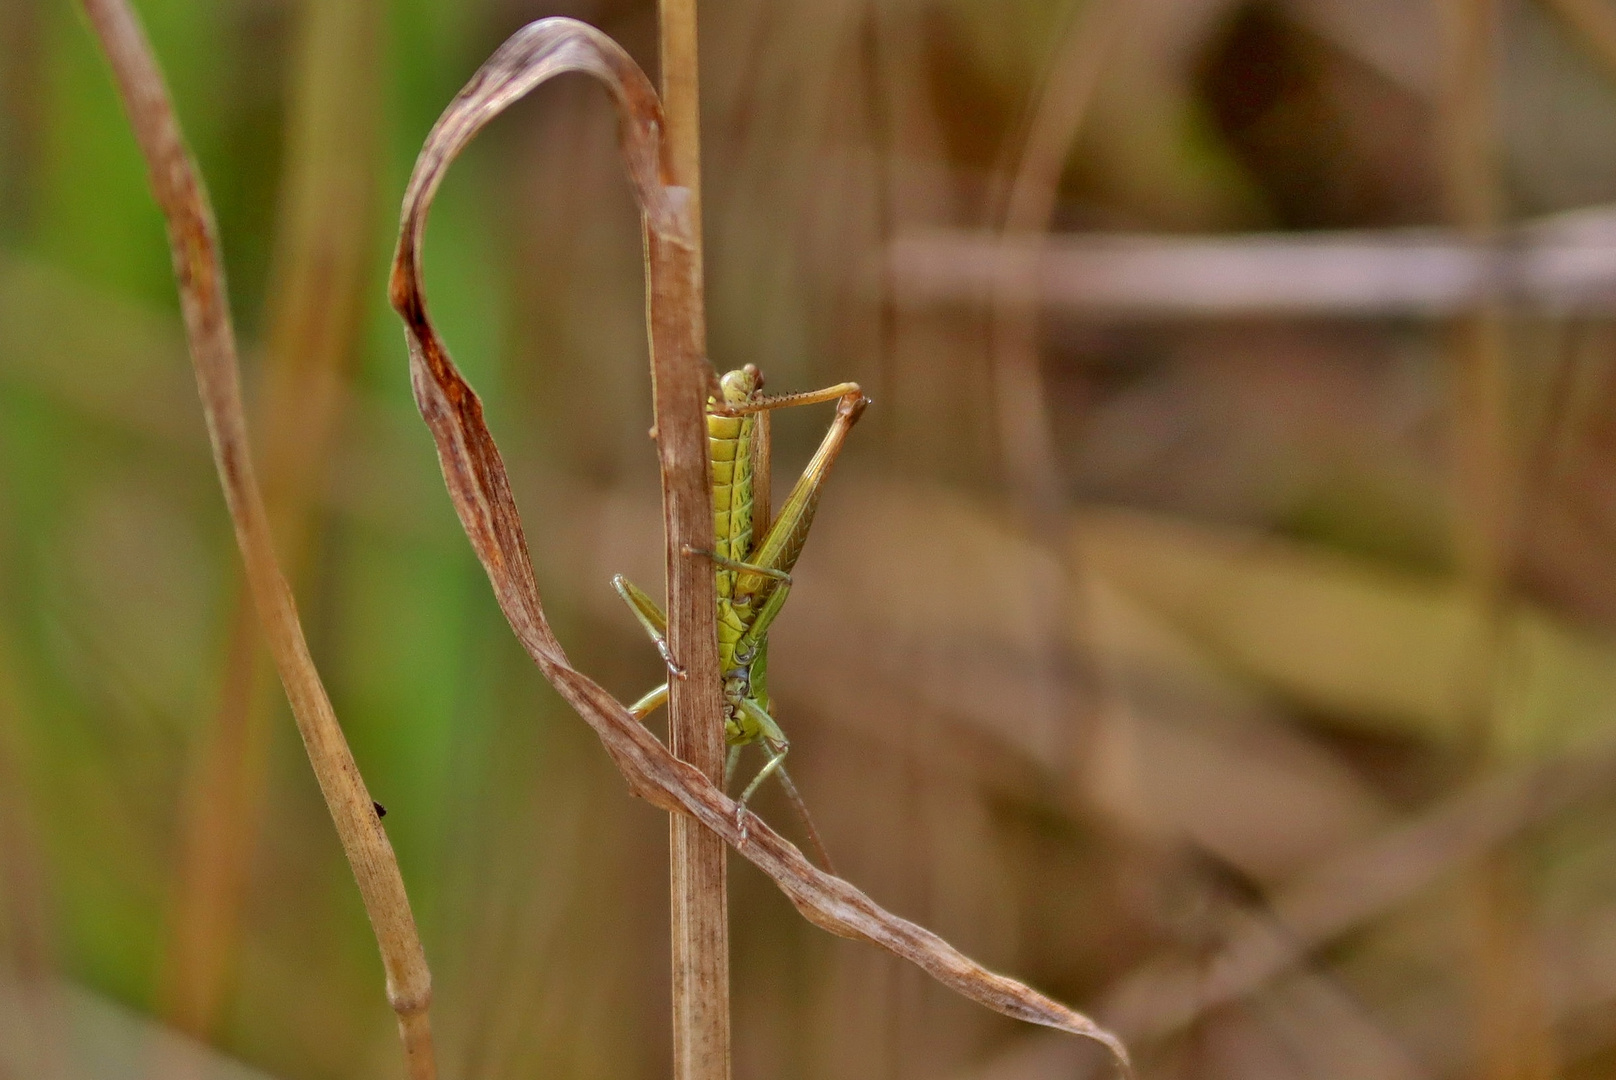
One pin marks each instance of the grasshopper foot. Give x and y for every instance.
(674, 667)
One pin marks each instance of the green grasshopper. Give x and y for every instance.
(753, 579)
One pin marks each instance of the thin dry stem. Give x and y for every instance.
(325, 241)
(480, 489)
(193, 238)
(698, 886)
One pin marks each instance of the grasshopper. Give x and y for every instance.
(753, 578)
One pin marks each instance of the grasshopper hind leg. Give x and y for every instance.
(805, 819)
(776, 745)
(777, 758)
(768, 733)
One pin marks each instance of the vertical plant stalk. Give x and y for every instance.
(218, 829)
(1594, 22)
(26, 954)
(474, 473)
(1514, 1038)
(1063, 104)
(193, 239)
(324, 242)
(698, 887)
(681, 106)
(1026, 437)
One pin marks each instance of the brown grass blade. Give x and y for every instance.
(193, 238)
(475, 476)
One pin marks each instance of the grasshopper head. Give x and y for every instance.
(739, 385)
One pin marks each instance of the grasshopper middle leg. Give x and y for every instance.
(651, 618)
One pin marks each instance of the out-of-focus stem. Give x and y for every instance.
(1026, 437)
(1595, 22)
(25, 924)
(218, 834)
(1029, 455)
(22, 111)
(1514, 1041)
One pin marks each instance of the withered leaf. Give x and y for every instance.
(478, 484)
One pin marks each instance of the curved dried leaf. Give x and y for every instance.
(475, 475)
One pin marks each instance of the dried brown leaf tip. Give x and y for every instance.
(478, 485)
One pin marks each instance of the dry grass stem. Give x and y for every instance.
(479, 487)
(197, 267)
(697, 881)
(681, 104)
(325, 243)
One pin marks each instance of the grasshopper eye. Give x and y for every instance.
(739, 385)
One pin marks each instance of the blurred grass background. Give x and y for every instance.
(1246, 676)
